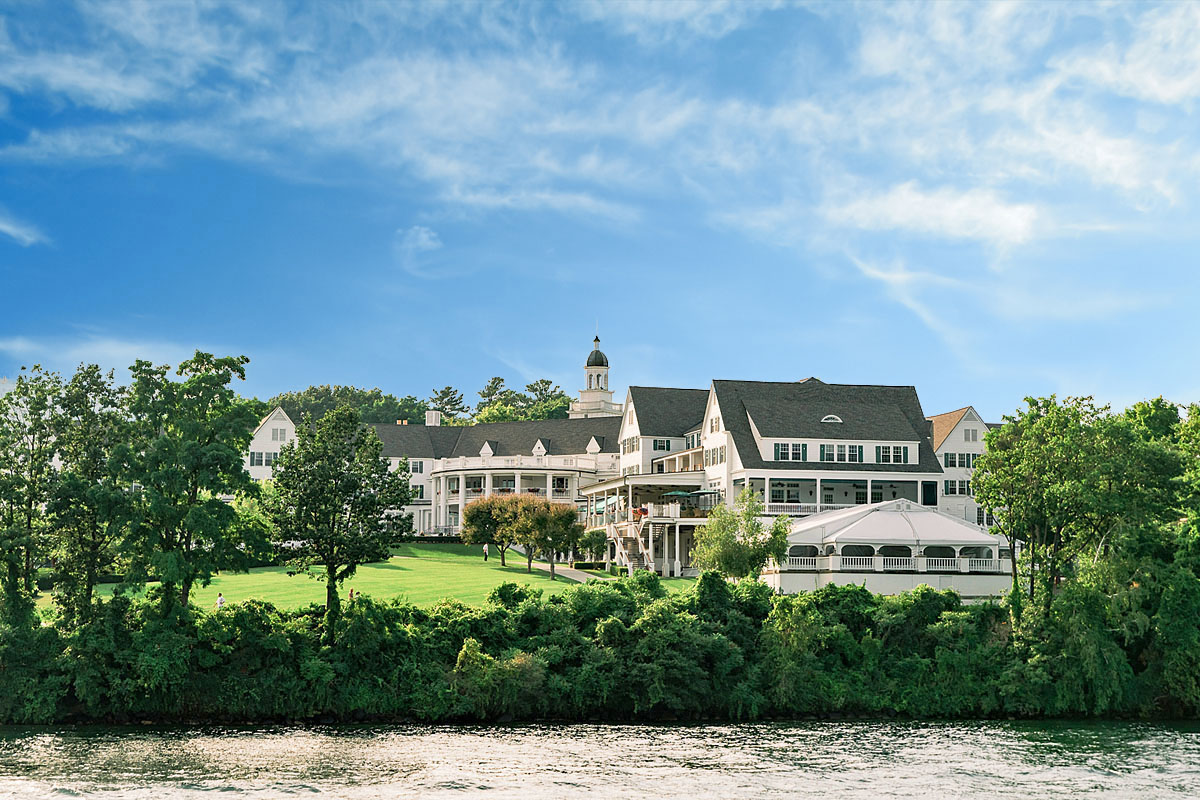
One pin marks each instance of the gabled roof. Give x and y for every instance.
(794, 410)
(668, 412)
(943, 424)
(560, 437)
(277, 411)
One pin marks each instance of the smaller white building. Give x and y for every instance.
(893, 547)
(276, 430)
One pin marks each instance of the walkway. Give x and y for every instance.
(577, 575)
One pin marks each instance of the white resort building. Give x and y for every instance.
(865, 476)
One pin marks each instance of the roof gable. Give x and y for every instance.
(944, 424)
(667, 412)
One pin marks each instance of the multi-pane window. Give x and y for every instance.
(278, 434)
(883, 454)
(856, 454)
(970, 434)
(269, 458)
(876, 493)
(962, 487)
(714, 424)
(256, 459)
(951, 459)
(662, 444)
(799, 452)
(899, 455)
(827, 452)
(722, 448)
(860, 496)
(841, 452)
(782, 451)
(418, 492)
(416, 467)
(950, 487)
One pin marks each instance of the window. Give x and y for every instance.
(714, 425)
(782, 451)
(662, 444)
(962, 487)
(831, 418)
(416, 467)
(876, 493)
(799, 452)
(970, 434)
(883, 454)
(708, 458)
(856, 455)
(278, 434)
(560, 482)
(899, 455)
(722, 454)
(827, 452)
(970, 492)
(256, 459)
(269, 458)
(950, 487)
(951, 459)
(418, 492)
(860, 496)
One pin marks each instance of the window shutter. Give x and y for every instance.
(822, 452)
(878, 457)
(906, 455)
(777, 451)
(804, 452)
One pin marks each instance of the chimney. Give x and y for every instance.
(401, 422)
(433, 418)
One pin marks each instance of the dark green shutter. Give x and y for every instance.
(822, 452)
(804, 452)
(878, 454)
(906, 455)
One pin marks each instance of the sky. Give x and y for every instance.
(987, 201)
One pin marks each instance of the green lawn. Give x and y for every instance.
(420, 573)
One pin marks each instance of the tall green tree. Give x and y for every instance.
(373, 405)
(334, 495)
(27, 437)
(186, 450)
(449, 401)
(489, 520)
(89, 504)
(547, 528)
(736, 542)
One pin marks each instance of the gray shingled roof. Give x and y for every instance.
(668, 412)
(794, 411)
(562, 436)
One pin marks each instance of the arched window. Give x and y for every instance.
(589, 381)
(831, 418)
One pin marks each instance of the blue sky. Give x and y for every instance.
(983, 200)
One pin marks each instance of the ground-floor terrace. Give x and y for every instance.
(650, 519)
(451, 490)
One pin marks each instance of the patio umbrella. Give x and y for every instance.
(677, 493)
(702, 492)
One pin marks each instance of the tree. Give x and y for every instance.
(547, 528)
(1061, 477)
(186, 450)
(736, 543)
(497, 412)
(547, 401)
(482, 523)
(593, 542)
(492, 391)
(373, 405)
(89, 505)
(1155, 419)
(449, 401)
(27, 442)
(335, 496)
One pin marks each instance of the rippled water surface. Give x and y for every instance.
(844, 760)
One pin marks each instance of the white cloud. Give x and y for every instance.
(23, 233)
(656, 21)
(974, 214)
(412, 245)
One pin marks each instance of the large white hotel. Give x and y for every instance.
(878, 493)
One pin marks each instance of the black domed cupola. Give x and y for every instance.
(596, 358)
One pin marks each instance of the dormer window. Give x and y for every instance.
(831, 418)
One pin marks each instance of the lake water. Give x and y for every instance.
(843, 760)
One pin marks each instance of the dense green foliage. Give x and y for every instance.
(736, 542)
(372, 405)
(539, 526)
(620, 650)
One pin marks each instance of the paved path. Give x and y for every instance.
(577, 575)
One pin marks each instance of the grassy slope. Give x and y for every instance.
(421, 573)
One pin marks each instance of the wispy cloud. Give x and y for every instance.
(975, 214)
(23, 233)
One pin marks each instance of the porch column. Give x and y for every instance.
(445, 501)
(766, 491)
(678, 560)
(487, 484)
(516, 483)
(819, 495)
(549, 485)
(870, 494)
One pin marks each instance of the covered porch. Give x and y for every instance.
(802, 497)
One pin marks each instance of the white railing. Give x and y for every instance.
(562, 494)
(832, 506)
(670, 510)
(891, 563)
(802, 562)
(494, 462)
(942, 564)
(983, 565)
(857, 562)
(792, 509)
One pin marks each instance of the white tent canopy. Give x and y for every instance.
(895, 522)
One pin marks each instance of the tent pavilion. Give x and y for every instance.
(891, 547)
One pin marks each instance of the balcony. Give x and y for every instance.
(792, 509)
(836, 563)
